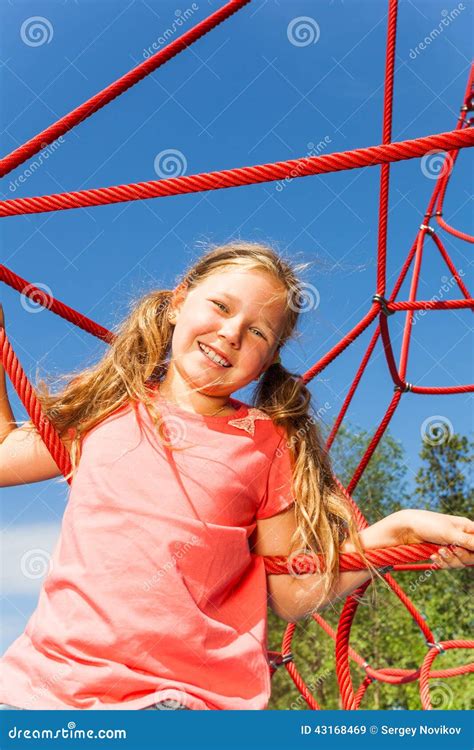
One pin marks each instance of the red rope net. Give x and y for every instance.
(412, 557)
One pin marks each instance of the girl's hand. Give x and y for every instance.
(455, 533)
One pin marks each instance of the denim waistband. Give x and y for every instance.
(167, 705)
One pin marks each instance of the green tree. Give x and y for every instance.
(444, 480)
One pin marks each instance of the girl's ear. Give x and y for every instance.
(177, 298)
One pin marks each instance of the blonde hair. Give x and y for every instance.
(138, 357)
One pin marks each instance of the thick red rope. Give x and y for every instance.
(386, 138)
(450, 162)
(69, 121)
(259, 173)
(303, 565)
(41, 297)
(28, 398)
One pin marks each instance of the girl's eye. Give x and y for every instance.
(221, 305)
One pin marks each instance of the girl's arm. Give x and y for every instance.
(24, 458)
(292, 598)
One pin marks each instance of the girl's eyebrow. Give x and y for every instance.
(234, 299)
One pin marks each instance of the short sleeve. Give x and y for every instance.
(278, 492)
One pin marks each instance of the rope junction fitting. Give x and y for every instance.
(383, 304)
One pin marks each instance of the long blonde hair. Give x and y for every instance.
(138, 357)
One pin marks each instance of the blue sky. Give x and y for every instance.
(244, 94)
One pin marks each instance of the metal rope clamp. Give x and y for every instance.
(404, 389)
(364, 665)
(437, 646)
(383, 304)
(429, 229)
(283, 660)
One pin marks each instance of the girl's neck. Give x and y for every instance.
(196, 402)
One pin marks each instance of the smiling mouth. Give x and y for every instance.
(211, 356)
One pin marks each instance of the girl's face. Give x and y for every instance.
(239, 315)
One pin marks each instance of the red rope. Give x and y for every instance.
(435, 651)
(374, 442)
(386, 138)
(350, 699)
(352, 390)
(115, 89)
(368, 354)
(303, 565)
(47, 300)
(450, 161)
(27, 396)
(342, 648)
(412, 298)
(451, 230)
(259, 173)
(450, 264)
(343, 344)
(450, 304)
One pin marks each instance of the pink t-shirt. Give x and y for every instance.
(153, 592)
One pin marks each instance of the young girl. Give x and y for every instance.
(157, 593)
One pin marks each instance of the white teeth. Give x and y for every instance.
(214, 357)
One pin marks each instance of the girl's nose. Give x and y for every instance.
(231, 332)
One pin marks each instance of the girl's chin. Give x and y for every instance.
(209, 371)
